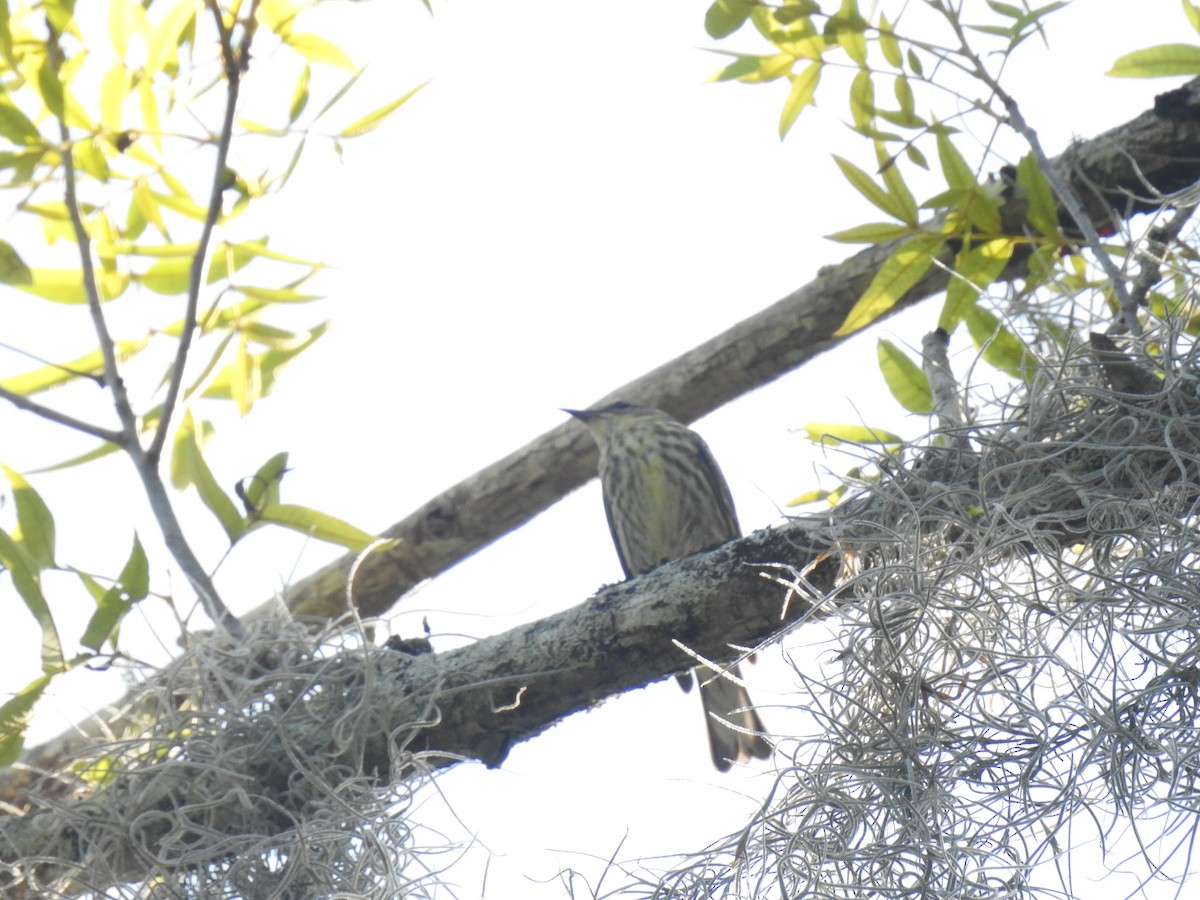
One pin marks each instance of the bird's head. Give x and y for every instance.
(617, 417)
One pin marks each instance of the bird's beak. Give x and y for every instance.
(582, 414)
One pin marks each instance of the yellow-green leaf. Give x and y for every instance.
(317, 49)
(725, 17)
(299, 95)
(888, 43)
(871, 233)
(15, 715)
(188, 467)
(114, 89)
(374, 119)
(905, 378)
(168, 277)
(975, 268)
(841, 433)
(35, 524)
(804, 86)
(131, 587)
(27, 581)
(955, 169)
(262, 488)
(1158, 62)
(1041, 210)
(865, 185)
(999, 346)
(899, 273)
(55, 374)
(862, 99)
(164, 38)
(12, 268)
(900, 198)
(317, 524)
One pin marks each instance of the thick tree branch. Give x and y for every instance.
(1122, 172)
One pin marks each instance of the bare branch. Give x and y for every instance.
(52, 415)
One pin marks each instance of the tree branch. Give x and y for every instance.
(52, 415)
(1118, 168)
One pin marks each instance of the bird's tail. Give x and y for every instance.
(726, 701)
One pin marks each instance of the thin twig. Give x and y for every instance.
(52, 415)
(1066, 196)
(144, 461)
(234, 66)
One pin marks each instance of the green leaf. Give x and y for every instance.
(905, 378)
(132, 587)
(15, 715)
(888, 43)
(871, 233)
(168, 277)
(1157, 62)
(841, 433)
(999, 346)
(165, 38)
(12, 268)
(955, 169)
(975, 268)
(268, 365)
(899, 273)
(27, 581)
(6, 42)
(804, 86)
(753, 69)
(299, 95)
(90, 365)
(1042, 209)
(262, 488)
(50, 87)
(35, 524)
(865, 185)
(316, 524)
(188, 467)
(15, 125)
(1192, 11)
(317, 49)
(862, 99)
(725, 17)
(900, 197)
(114, 90)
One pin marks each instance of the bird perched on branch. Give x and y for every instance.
(666, 498)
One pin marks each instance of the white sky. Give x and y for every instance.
(567, 206)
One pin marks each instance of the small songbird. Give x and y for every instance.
(666, 498)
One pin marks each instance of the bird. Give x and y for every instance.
(665, 498)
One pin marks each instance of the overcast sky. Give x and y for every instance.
(565, 207)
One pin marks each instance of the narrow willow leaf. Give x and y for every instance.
(12, 268)
(90, 365)
(262, 488)
(899, 273)
(1157, 62)
(1042, 209)
(905, 378)
(317, 524)
(374, 119)
(975, 268)
(865, 185)
(804, 87)
(26, 580)
(188, 467)
(317, 49)
(35, 523)
(299, 95)
(888, 44)
(15, 715)
(999, 346)
(842, 433)
(131, 588)
(871, 233)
